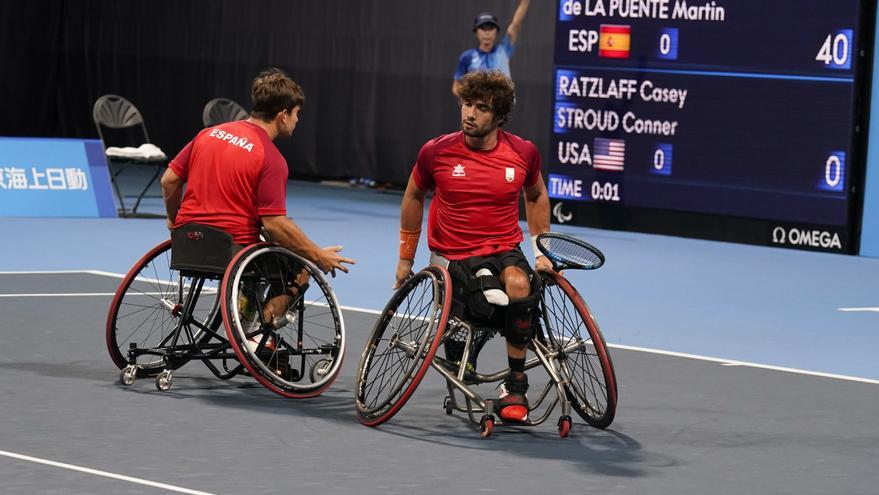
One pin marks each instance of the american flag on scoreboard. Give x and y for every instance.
(610, 154)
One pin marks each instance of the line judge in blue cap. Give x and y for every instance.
(489, 55)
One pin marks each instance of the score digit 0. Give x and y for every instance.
(659, 159)
(662, 155)
(834, 172)
(664, 44)
(668, 44)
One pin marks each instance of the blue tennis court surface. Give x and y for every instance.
(811, 311)
(733, 423)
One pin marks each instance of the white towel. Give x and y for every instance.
(147, 151)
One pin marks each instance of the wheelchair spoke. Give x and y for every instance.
(381, 380)
(400, 347)
(145, 311)
(583, 361)
(299, 351)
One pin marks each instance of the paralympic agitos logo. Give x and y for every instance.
(560, 215)
(804, 237)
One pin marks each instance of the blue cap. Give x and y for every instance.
(485, 18)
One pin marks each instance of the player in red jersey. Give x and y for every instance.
(477, 175)
(236, 179)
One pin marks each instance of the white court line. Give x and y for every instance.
(71, 294)
(97, 294)
(105, 474)
(729, 362)
(65, 272)
(361, 310)
(724, 362)
(105, 274)
(52, 272)
(875, 310)
(89, 294)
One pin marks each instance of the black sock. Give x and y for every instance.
(516, 364)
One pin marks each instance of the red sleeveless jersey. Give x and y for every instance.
(475, 208)
(234, 176)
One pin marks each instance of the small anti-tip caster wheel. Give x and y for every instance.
(487, 424)
(447, 405)
(320, 369)
(164, 380)
(128, 375)
(564, 426)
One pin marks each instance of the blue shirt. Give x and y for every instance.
(498, 58)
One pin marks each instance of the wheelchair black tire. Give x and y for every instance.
(140, 314)
(592, 389)
(319, 318)
(435, 283)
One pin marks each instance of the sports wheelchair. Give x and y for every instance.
(568, 346)
(282, 322)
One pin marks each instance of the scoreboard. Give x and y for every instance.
(728, 119)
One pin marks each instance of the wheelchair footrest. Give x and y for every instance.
(491, 407)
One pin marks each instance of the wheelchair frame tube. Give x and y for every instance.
(544, 356)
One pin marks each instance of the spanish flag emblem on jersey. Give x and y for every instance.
(614, 41)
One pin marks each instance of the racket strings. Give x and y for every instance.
(571, 253)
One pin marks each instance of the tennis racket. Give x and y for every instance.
(567, 252)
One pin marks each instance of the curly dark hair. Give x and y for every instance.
(492, 87)
(273, 92)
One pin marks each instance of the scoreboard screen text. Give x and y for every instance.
(669, 114)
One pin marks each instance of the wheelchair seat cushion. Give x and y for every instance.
(201, 248)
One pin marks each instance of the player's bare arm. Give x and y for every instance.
(286, 233)
(537, 214)
(411, 215)
(172, 194)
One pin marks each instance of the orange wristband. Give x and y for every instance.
(408, 243)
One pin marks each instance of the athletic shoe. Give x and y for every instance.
(513, 402)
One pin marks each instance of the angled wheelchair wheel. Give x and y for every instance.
(402, 345)
(583, 359)
(283, 320)
(146, 310)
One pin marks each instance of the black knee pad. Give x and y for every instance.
(518, 321)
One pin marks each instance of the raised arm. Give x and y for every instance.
(411, 215)
(518, 17)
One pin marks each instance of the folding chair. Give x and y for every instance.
(222, 110)
(126, 142)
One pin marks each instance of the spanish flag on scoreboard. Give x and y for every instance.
(614, 41)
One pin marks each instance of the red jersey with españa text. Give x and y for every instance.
(475, 207)
(234, 175)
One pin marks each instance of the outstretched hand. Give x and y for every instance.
(404, 271)
(329, 260)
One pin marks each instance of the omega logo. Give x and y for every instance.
(802, 237)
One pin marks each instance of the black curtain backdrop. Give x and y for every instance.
(377, 74)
